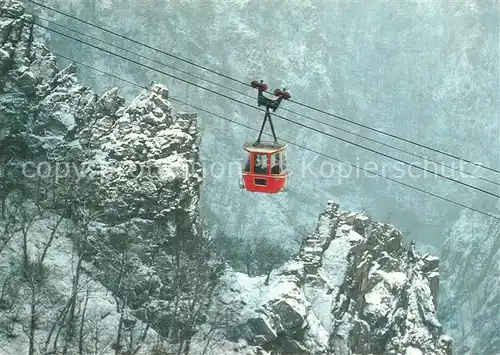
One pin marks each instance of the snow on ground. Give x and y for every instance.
(101, 312)
(240, 284)
(413, 351)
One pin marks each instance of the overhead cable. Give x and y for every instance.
(252, 97)
(288, 141)
(247, 84)
(276, 115)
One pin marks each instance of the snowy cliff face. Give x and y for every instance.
(127, 153)
(127, 162)
(144, 159)
(121, 181)
(354, 289)
(470, 292)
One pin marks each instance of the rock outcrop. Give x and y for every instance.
(127, 177)
(354, 289)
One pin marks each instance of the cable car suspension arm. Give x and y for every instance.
(266, 117)
(269, 104)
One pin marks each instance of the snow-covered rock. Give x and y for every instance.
(354, 289)
(139, 160)
(127, 177)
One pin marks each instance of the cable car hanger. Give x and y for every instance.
(266, 169)
(269, 104)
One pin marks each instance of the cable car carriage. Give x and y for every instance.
(266, 167)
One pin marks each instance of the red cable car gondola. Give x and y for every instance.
(265, 169)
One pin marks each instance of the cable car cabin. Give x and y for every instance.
(265, 169)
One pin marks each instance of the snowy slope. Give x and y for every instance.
(94, 302)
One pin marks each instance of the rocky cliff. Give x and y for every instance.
(125, 180)
(354, 289)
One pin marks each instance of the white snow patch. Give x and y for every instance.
(376, 299)
(413, 351)
(395, 278)
(172, 168)
(67, 118)
(335, 262)
(321, 304)
(332, 272)
(354, 236)
(374, 296)
(317, 337)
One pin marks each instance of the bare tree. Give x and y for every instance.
(253, 256)
(81, 336)
(27, 218)
(270, 254)
(70, 314)
(9, 224)
(121, 298)
(67, 319)
(35, 276)
(7, 180)
(221, 316)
